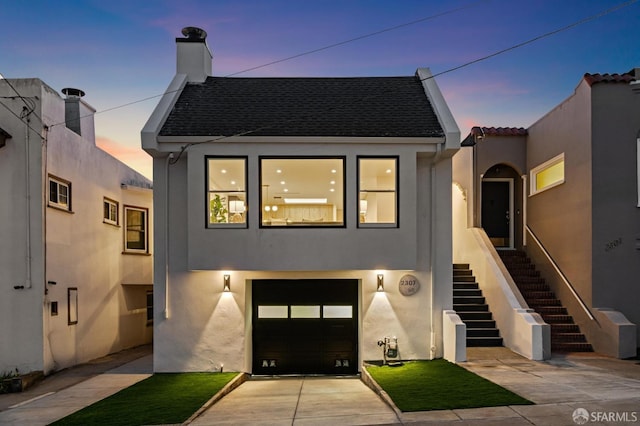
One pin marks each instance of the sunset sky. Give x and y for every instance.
(123, 51)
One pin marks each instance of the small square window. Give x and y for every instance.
(54, 309)
(149, 307)
(110, 212)
(59, 193)
(72, 305)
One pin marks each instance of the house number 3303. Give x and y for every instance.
(408, 285)
(613, 244)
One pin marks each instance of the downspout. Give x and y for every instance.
(432, 224)
(166, 235)
(27, 179)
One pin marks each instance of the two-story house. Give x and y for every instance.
(566, 191)
(75, 251)
(299, 221)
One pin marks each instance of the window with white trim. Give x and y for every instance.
(377, 192)
(59, 193)
(110, 211)
(135, 226)
(547, 175)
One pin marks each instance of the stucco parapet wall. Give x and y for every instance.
(622, 333)
(454, 332)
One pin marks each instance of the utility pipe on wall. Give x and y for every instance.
(166, 235)
(432, 224)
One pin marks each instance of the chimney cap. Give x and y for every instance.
(70, 92)
(194, 33)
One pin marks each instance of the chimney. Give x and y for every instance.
(78, 115)
(193, 55)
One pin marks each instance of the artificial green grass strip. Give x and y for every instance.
(440, 385)
(159, 399)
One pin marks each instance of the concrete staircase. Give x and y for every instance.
(565, 334)
(472, 308)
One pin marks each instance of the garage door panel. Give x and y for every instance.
(306, 342)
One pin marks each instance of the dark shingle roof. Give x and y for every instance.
(350, 106)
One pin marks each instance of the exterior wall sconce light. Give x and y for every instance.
(227, 283)
(380, 282)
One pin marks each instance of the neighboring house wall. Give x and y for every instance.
(616, 216)
(71, 248)
(561, 217)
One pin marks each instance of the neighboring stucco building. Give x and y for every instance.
(75, 252)
(569, 185)
(296, 217)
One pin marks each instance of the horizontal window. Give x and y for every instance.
(305, 311)
(266, 311)
(377, 190)
(226, 188)
(547, 175)
(337, 311)
(302, 192)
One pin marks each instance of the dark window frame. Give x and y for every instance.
(370, 225)
(126, 227)
(208, 191)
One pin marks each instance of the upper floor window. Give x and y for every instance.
(59, 193)
(136, 225)
(227, 193)
(547, 175)
(110, 211)
(378, 191)
(302, 192)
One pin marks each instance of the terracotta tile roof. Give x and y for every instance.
(350, 106)
(592, 79)
(492, 131)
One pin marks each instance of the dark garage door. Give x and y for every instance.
(305, 326)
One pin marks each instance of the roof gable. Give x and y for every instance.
(343, 107)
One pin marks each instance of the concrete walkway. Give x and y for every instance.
(608, 389)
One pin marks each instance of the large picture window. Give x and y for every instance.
(136, 239)
(377, 192)
(303, 192)
(547, 175)
(227, 193)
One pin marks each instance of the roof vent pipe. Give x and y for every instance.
(193, 55)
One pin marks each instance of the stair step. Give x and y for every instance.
(557, 319)
(535, 303)
(473, 324)
(539, 294)
(483, 332)
(462, 272)
(571, 347)
(521, 279)
(567, 337)
(476, 307)
(467, 292)
(533, 286)
(464, 279)
(468, 300)
(465, 286)
(564, 328)
(484, 341)
(471, 315)
(460, 266)
(551, 310)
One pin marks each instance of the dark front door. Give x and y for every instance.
(305, 326)
(496, 212)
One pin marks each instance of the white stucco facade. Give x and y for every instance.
(200, 327)
(69, 293)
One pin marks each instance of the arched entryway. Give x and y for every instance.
(501, 206)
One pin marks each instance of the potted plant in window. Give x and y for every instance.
(218, 209)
